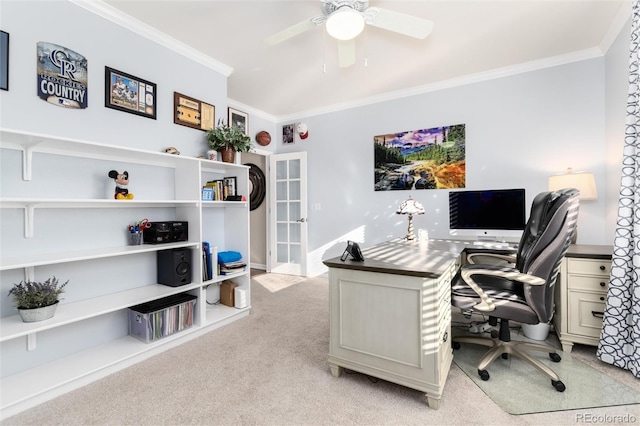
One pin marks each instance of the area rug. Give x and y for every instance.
(519, 388)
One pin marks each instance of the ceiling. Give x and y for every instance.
(471, 39)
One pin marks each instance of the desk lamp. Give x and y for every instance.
(410, 207)
(582, 181)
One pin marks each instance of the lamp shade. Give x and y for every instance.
(345, 23)
(410, 206)
(582, 181)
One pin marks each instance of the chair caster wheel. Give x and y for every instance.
(455, 345)
(494, 334)
(505, 356)
(555, 357)
(558, 385)
(484, 375)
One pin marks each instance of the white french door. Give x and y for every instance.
(288, 213)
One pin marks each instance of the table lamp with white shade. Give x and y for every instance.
(410, 207)
(584, 182)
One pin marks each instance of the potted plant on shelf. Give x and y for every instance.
(228, 140)
(37, 301)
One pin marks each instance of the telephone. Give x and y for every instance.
(352, 249)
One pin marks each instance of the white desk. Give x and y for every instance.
(390, 316)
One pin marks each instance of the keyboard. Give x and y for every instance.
(491, 244)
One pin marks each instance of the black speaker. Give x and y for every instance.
(174, 267)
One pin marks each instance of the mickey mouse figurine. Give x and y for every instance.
(122, 180)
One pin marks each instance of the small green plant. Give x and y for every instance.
(31, 294)
(224, 135)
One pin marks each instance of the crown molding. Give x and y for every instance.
(108, 12)
(550, 62)
(617, 25)
(117, 17)
(251, 110)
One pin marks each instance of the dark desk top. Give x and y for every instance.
(428, 259)
(589, 251)
(431, 258)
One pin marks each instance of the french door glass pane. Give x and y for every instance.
(294, 169)
(281, 170)
(281, 191)
(294, 256)
(281, 214)
(294, 232)
(283, 253)
(294, 211)
(283, 235)
(294, 190)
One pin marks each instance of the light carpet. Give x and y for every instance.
(519, 388)
(270, 368)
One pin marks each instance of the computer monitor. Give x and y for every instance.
(494, 214)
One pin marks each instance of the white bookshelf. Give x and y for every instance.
(36, 241)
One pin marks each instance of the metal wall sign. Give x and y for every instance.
(62, 76)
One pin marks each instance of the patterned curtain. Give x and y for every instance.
(620, 336)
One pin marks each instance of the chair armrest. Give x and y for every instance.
(486, 304)
(509, 258)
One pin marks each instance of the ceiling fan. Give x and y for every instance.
(345, 20)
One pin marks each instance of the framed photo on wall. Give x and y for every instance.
(193, 113)
(238, 119)
(4, 60)
(288, 135)
(127, 93)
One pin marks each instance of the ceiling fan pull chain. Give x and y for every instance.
(324, 61)
(366, 50)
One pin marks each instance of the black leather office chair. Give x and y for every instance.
(524, 291)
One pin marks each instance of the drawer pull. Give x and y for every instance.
(445, 337)
(602, 284)
(597, 314)
(602, 268)
(602, 298)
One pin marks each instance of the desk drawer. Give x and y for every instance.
(589, 267)
(596, 284)
(585, 313)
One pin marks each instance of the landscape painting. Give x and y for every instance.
(420, 159)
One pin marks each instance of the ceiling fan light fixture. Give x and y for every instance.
(345, 24)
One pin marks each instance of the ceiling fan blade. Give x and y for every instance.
(401, 23)
(290, 32)
(346, 53)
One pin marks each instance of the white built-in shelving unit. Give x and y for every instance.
(59, 218)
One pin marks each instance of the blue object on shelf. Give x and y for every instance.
(229, 256)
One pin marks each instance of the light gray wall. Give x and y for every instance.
(519, 130)
(617, 87)
(103, 43)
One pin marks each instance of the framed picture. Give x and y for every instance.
(229, 187)
(288, 135)
(127, 93)
(432, 159)
(238, 119)
(193, 113)
(4, 60)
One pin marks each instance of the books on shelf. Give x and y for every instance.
(224, 270)
(209, 261)
(231, 262)
(222, 188)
